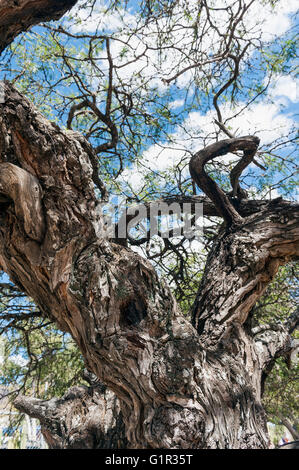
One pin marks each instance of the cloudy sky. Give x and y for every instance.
(270, 118)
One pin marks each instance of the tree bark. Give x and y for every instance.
(84, 418)
(17, 16)
(178, 385)
(241, 264)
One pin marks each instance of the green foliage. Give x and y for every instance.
(281, 393)
(59, 65)
(35, 357)
(281, 387)
(43, 362)
(280, 298)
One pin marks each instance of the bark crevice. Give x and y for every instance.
(175, 387)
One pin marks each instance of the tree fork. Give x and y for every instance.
(177, 386)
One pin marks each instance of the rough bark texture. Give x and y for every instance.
(242, 263)
(178, 385)
(84, 418)
(17, 16)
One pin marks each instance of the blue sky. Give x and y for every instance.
(269, 117)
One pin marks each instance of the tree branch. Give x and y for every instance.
(24, 189)
(16, 17)
(84, 418)
(220, 199)
(248, 260)
(245, 208)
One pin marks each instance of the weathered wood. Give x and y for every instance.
(24, 189)
(84, 418)
(225, 208)
(242, 263)
(17, 16)
(178, 386)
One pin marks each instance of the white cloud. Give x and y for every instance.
(176, 104)
(99, 19)
(134, 177)
(265, 120)
(19, 360)
(153, 68)
(154, 159)
(285, 87)
(262, 119)
(288, 6)
(253, 192)
(271, 22)
(164, 157)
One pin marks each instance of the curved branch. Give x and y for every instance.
(16, 17)
(231, 80)
(245, 208)
(26, 193)
(105, 118)
(103, 147)
(224, 207)
(84, 418)
(274, 341)
(240, 167)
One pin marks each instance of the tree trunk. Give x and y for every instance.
(178, 385)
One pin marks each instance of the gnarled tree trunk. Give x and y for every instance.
(178, 385)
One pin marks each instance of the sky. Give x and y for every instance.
(270, 118)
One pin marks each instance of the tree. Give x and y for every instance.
(175, 383)
(281, 385)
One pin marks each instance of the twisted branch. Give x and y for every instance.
(224, 207)
(84, 418)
